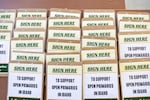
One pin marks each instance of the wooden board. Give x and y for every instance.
(76, 4)
(3, 88)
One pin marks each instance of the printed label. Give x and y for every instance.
(135, 66)
(27, 23)
(6, 26)
(3, 68)
(100, 81)
(98, 43)
(64, 14)
(135, 79)
(29, 34)
(10, 16)
(27, 45)
(29, 14)
(134, 38)
(27, 81)
(5, 36)
(134, 46)
(133, 51)
(64, 34)
(127, 16)
(100, 33)
(96, 14)
(64, 82)
(104, 54)
(63, 58)
(30, 57)
(64, 22)
(59, 47)
(97, 22)
(126, 26)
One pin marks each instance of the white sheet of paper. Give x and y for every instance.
(27, 45)
(66, 86)
(100, 84)
(133, 51)
(26, 80)
(4, 51)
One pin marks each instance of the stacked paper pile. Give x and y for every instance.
(64, 69)
(7, 21)
(134, 53)
(75, 59)
(99, 55)
(28, 55)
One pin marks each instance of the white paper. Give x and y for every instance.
(25, 56)
(92, 93)
(4, 51)
(99, 14)
(132, 51)
(34, 80)
(32, 14)
(109, 54)
(10, 16)
(31, 24)
(63, 58)
(64, 14)
(64, 34)
(74, 22)
(27, 45)
(129, 78)
(54, 93)
(100, 33)
(97, 23)
(98, 43)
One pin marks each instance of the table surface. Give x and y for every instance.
(77, 4)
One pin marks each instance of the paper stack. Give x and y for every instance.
(26, 71)
(7, 21)
(64, 69)
(99, 55)
(134, 53)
